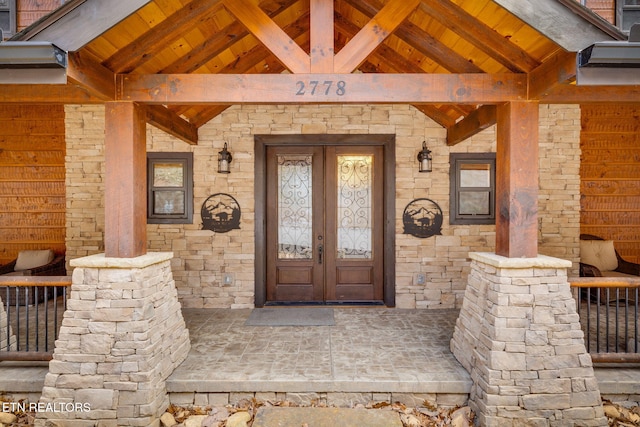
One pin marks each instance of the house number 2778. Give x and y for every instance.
(316, 87)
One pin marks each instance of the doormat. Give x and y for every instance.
(291, 316)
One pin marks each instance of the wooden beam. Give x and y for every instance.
(474, 123)
(83, 23)
(383, 54)
(47, 94)
(373, 34)
(422, 41)
(272, 36)
(573, 94)
(145, 47)
(219, 41)
(391, 58)
(480, 35)
(85, 70)
(517, 180)
(172, 89)
(322, 43)
(558, 69)
(125, 188)
(206, 114)
(436, 114)
(168, 121)
(248, 60)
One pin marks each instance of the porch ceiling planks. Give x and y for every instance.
(480, 35)
(373, 34)
(452, 38)
(270, 34)
(196, 13)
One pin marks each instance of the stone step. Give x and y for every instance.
(325, 417)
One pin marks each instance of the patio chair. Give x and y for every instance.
(599, 258)
(32, 263)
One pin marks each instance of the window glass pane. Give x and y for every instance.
(168, 174)
(474, 203)
(632, 2)
(168, 203)
(5, 21)
(295, 207)
(475, 175)
(355, 199)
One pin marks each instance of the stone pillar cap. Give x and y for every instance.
(100, 261)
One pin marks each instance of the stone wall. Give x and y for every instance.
(202, 257)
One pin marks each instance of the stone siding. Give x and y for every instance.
(122, 335)
(202, 257)
(519, 336)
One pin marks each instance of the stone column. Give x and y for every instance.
(518, 334)
(5, 329)
(122, 335)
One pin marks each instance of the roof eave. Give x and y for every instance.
(566, 22)
(78, 22)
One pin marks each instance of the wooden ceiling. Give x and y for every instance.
(248, 37)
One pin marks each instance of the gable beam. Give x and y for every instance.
(183, 89)
(168, 121)
(85, 70)
(159, 37)
(422, 41)
(248, 60)
(47, 94)
(322, 43)
(558, 69)
(435, 114)
(373, 34)
(481, 36)
(474, 123)
(219, 41)
(383, 54)
(272, 36)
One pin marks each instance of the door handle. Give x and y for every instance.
(320, 249)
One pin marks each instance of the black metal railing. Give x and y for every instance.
(31, 315)
(608, 309)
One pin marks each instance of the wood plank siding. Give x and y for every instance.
(605, 8)
(32, 179)
(610, 174)
(29, 11)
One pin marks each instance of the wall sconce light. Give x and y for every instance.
(224, 160)
(424, 159)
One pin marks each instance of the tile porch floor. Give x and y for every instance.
(369, 349)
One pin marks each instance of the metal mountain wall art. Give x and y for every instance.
(422, 218)
(220, 213)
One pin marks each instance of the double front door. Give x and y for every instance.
(324, 234)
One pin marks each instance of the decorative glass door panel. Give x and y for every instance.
(324, 224)
(295, 210)
(355, 214)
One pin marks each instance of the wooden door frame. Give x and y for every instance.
(388, 141)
